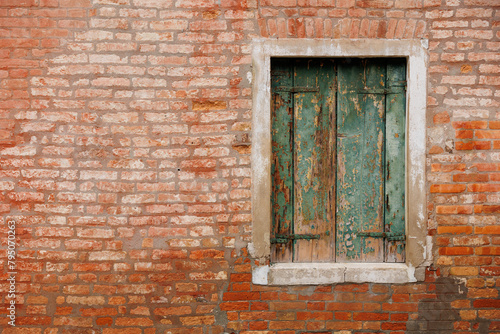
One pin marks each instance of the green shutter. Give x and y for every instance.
(360, 164)
(282, 160)
(303, 158)
(370, 161)
(395, 160)
(338, 176)
(313, 159)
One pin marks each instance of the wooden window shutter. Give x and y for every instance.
(395, 139)
(282, 162)
(338, 152)
(370, 160)
(303, 146)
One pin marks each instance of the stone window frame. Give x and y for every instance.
(418, 243)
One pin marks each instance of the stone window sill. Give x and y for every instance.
(330, 273)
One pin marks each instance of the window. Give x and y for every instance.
(338, 153)
(350, 138)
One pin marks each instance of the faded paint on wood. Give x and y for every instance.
(349, 158)
(337, 173)
(363, 162)
(313, 159)
(360, 133)
(395, 159)
(302, 181)
(372, 169)
(282, 160)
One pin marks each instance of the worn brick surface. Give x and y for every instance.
(125, 161)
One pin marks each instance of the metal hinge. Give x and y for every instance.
(393, 87)
(296, 89)
(386, 235)
(284, 238)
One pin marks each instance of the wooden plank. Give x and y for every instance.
(349, 160)
(395, 159)
(360, 160)
(326, 140)
(372, 179)
(282, 160)
(313, 160)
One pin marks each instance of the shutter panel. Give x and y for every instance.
(360, 161)
(282, 161)
(338, 176)
(303, 158)
(395, 160)
(349, 159)
(313, 160)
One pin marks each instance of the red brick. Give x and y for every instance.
(336, 306)
(367, 316)
(454, 229)
(473, 145)
(484, 187)
(314, 316)
(486, 303)
(393, 326)
(241, 296)
(487, 229)
(470, 125)
(456, 250)
(343, 325)
(470, 178)
(280, 325)
(234, 306)
(447, 188)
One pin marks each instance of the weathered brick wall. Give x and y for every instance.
(125, 131)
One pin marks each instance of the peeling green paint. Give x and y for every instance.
(338, 159)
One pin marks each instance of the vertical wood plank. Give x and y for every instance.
(313, 160)
(349, 159)
(395, 158)
(282, 159)
(360, 160)
(373, 156)
(326, 140)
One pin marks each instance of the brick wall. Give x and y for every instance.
(124, 133)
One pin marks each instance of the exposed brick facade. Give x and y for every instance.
(125, 162)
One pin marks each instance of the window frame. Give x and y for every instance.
(418, 244)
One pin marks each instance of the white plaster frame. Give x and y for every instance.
(418, 245)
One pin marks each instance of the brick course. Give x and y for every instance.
(125, 161)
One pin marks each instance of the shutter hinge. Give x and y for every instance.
(296, 89)
(284, 238)
(386, 235)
